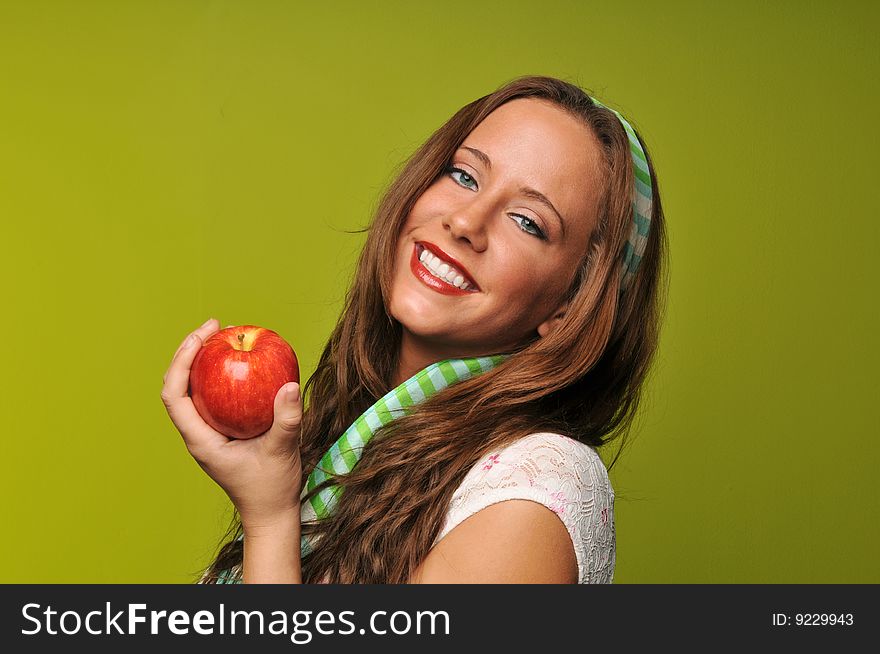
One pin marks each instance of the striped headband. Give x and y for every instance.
(642, 200)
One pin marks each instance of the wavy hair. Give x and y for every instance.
(583, 380)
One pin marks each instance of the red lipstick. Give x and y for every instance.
(435, 283)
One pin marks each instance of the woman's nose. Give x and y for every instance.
(470, 222)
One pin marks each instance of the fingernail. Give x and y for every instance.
(205, 324)
(293, 393)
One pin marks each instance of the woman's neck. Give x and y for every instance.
(411, 358)
(417, 354)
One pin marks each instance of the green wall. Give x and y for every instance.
(166, 162)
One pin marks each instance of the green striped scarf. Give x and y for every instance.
(345, 453)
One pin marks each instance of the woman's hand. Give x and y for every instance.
(261, 475)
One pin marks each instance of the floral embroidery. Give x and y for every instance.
(558, 503)
(604, 515)
(491, 461)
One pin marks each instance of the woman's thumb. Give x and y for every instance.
(288, 413)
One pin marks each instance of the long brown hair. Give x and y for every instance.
(583, 379)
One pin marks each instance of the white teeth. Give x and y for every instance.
(442, 270)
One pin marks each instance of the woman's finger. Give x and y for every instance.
(284, 434)
(197, 434)
(209, 327)
(177, 377)
(195, 431)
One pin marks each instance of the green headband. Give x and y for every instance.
(642, 201)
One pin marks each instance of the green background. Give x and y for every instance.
(166, 162)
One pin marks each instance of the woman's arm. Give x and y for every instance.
(272, 551)
(260, 475)
(510, 542)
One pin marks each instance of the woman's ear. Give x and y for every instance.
(548, 325)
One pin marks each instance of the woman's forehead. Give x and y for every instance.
(535, 144)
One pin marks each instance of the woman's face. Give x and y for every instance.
(481, 264)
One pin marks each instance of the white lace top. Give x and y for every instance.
(561, 473)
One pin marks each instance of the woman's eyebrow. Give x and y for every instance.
(524, 190)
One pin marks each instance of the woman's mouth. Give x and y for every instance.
(438, 273)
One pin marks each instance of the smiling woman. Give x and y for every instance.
(455, 414)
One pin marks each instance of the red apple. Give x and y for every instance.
(235, 376)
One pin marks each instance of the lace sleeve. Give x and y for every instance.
(564, 475)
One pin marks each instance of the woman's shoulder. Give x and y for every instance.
(544, 458)
(565, 475)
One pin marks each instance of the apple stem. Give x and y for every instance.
(240, 339)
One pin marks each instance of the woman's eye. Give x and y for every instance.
(451, 170)
(528, 225)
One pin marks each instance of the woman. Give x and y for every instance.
(524, 240)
